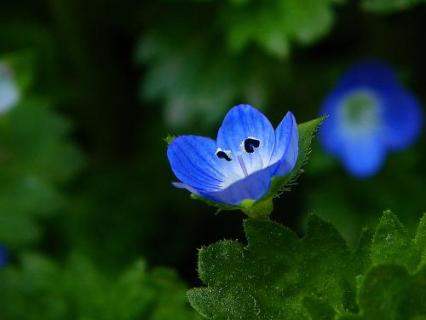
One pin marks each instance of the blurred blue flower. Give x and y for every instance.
(370, 114)
(9, 91)
(4, 256)
(239, 165)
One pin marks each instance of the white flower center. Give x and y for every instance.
(359, 112)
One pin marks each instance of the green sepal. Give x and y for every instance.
(263, 207)
(307, 132)
(169, 139)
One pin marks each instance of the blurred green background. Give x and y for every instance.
(87, 211)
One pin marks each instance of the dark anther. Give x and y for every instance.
(223, 155)
(250, 144)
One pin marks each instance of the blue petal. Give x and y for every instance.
(286, 148)
(194, 162)
(4, 256)
(403, 119)
(329, 135)
(252, 187)
(240, 123)
(370, 74)
(363, 157)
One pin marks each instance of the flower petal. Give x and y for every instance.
(194, 162)
(403, 119)
(286, 148)
(329, 135)
(251, 187)
(370, 74)
(363, 157)
(240, 123)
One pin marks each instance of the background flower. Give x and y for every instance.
(370, 114)
(4, 256)
(9, 91)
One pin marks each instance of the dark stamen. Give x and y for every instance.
(250, 144)
(223, 155)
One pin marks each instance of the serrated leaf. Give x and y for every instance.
(392, 244)
(390, 292)
(361, 255)
(281, 276)
(271, 277)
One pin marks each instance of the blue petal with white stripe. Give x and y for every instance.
(240, 164)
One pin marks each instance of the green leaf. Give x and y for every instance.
(275, 24)
(42, 289)
(36, 160)
(420, 241)
(195, 85)
(318, 310)
(22, 66)
(273, 275)
(388, 6)
(392, 244)
(390, 292)
(281, 276)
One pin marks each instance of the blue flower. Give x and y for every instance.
(4, 256)
(9, 92)
(370, 115)
(240, 164)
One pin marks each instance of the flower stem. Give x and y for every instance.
(258, 210)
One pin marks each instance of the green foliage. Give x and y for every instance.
(392, 244)
(21, 64)
(390, 292)
(359, 203)
(192, 87)
(275, 24)
(42, 289)
(271, 277)
(199, 68)
(281, 276)
(36, 159)
(387, 6)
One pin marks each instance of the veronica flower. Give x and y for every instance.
(240, 164)
(370, 115)
(4, 256)
(9, 92)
